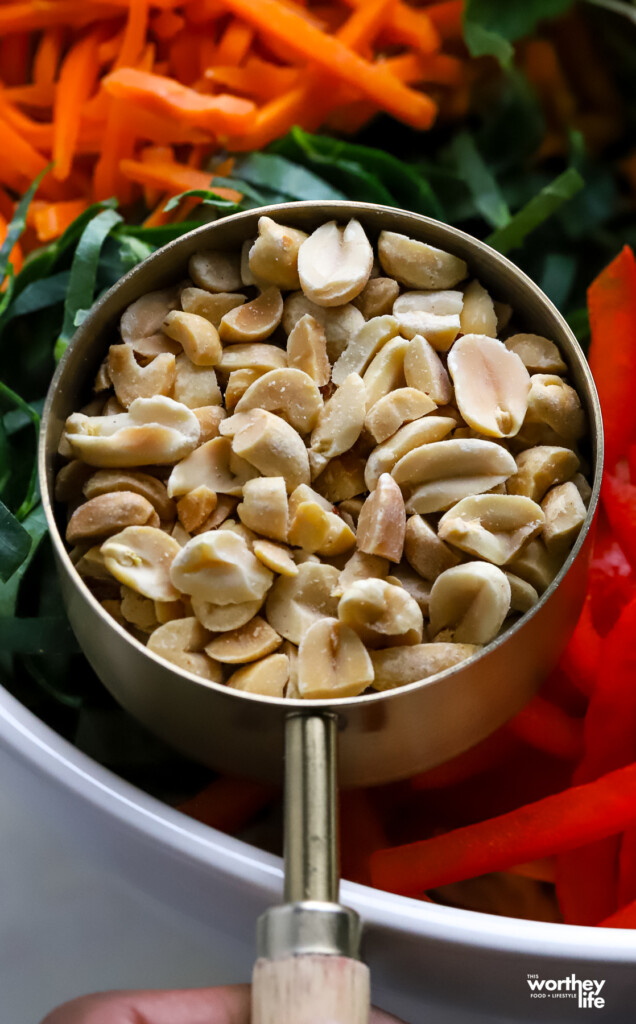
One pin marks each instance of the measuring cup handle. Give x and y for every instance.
(310, 988)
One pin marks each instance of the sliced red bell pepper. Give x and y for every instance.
(581, 657)
(586, 881)
(623, 918)
(543, 725)
(228, 803)
(612, 583)
(612, 356)
(626, 890)
(564, 821)
(619, 502)
(587, 878)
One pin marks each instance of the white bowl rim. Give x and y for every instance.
(46, 753)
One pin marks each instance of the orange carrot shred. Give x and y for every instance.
(447, 18)
(77, 79)
(167, 24)
(15, 256)
(47, 56)
(134, 34)
(363, 25)
(14, 58)
(411, 27)
(285, 25)
(235, 43)
(50, 220)
(173, 177)
(216, 113)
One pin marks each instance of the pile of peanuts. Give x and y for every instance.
(347, 487)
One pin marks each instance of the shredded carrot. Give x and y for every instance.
(259, 78)
(108, 50)
(15, 256)
(155, 155)
(235, 43)
(31, 95)
(281, 23)
(447, 18)
(159, 216)
(92, 84)
(46, 58)
(118, 143)
(14, 58)
(361, 29)
(216, 113)
(51, 219)
(167, 24)
(173, 177)
(408, 26)
(135, 34)
(77, 79)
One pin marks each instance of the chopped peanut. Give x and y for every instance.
(348, 482)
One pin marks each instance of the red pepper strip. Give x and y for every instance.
(478, 759)
(228, 804)
(581, 658)
(587, 878)
(361, 833)
(619, 502)
(626, 889)
(542, 725)
(612, 583)
(623, 918)
(556, 823)
(612, 357)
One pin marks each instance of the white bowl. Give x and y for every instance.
(420, 954)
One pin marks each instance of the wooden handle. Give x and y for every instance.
(310, 989)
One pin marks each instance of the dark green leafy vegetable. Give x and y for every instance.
(14, 543)
(83, 277)
(490, 26)
(538, 209)
(480, 181)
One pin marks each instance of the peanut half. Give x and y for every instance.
(417, 264)
(472, 601)
(492, 526)
(382, 521)
(491, 385)
(332, 662)
(437, 475)
(334, 263)
(219, 567)
(274, 255)
(141, 558)
(399, 666)
(382, 614)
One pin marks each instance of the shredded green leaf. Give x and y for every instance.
(18, 222)
(480, 181)
(534, 213)
(14, 543)
(81, 286)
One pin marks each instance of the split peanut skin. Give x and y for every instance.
(347, 482)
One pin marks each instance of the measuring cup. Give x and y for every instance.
(308, 971)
